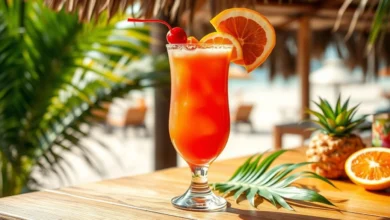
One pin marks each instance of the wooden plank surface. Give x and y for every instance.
(148, 197)
(48, 205)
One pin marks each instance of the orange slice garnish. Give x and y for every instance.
(192, 40)
(252, 30)
(370, 168)
(223, 38)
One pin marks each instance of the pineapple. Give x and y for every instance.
(335, 142)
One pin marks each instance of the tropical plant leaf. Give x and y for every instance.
(379, 21)
(337, 121)
(379, 24)
(327, 109)
(352, 112)
(321, 118)
(338, 105)
(296, 193)
(324, 126)
(53, 71)
(341, 118)
(275, 185)
(345, 105)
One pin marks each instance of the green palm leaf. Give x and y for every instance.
(380, 22)
(53, 71)
(255, 178)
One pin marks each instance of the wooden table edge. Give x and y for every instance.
(57, 191)
(140, 208)
(5, 215)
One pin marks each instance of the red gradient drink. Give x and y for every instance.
(199, 122)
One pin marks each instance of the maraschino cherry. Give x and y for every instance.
(175, 35)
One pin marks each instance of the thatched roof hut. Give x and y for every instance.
(283, 14)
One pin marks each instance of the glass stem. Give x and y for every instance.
(199, 182)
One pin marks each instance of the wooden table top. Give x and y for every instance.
(148, 197)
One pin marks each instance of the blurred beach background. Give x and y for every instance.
(130, 152)
(84, 94)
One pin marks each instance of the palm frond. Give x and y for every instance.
(379, 22)
(53, 71)
(255, 178)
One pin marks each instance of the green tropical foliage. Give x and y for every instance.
(53, 71)
(275, 185)
(380, 23)
(337, 121)
(379, 26)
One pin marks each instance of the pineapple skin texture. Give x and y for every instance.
(330, 154)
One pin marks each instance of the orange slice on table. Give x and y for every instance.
(252, 30)
(192, 40)
(223, 38)
(370, 168)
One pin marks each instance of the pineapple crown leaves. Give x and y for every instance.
(255, 178)
(337, 121)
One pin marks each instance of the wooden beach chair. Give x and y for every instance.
(100, 115)
(135, 117)
(242, 116)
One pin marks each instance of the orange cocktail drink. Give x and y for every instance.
(199, 122)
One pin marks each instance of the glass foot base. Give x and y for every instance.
(199, 202)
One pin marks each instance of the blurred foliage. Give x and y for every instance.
(380, 24)
(53, 71)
